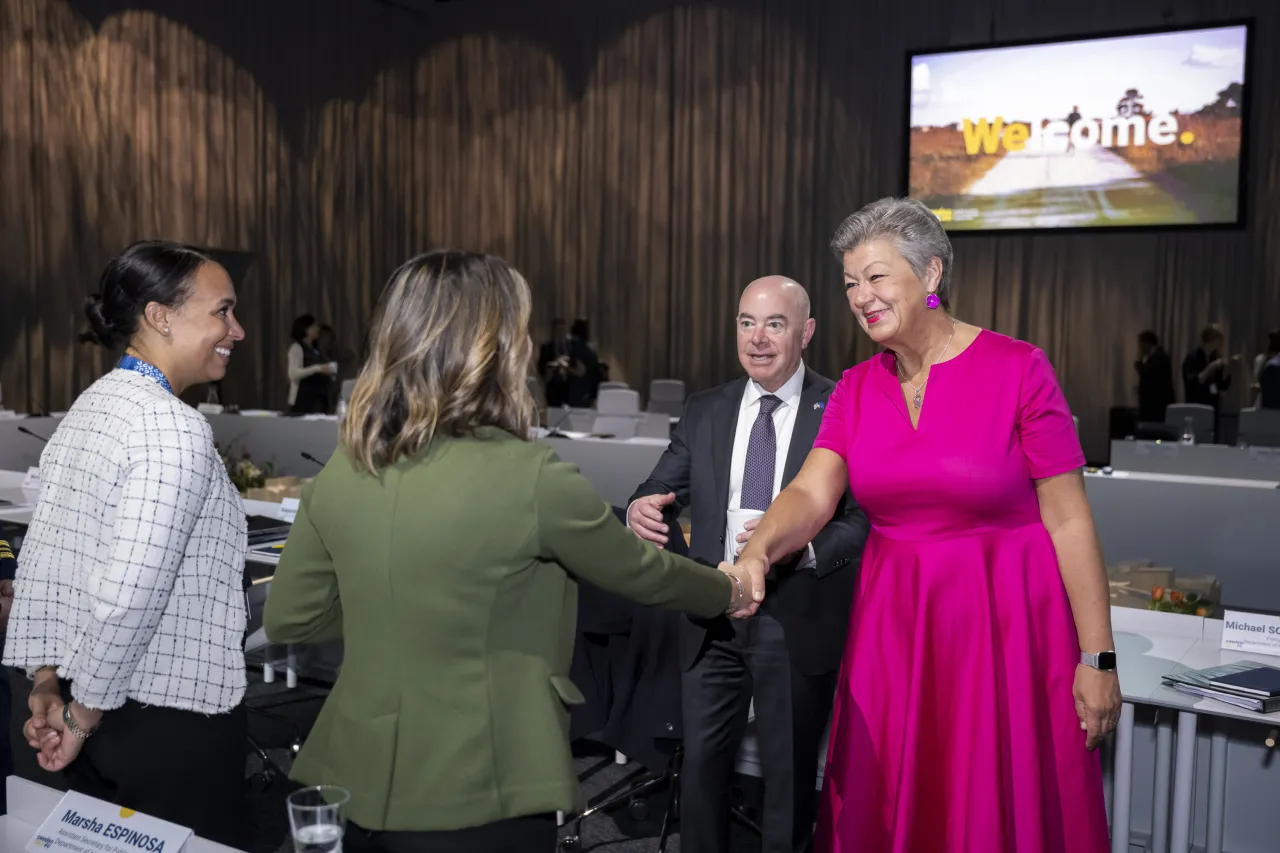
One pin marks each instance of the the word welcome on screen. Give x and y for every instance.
(1142, 129)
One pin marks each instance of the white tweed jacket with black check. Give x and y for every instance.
(130, 578)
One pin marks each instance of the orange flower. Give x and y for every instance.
(1176, 597)
(1202, 611)
(1157, 593)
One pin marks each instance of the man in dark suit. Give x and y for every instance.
(735, 447)
(1155, 378)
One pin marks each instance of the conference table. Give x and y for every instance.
(1194, 525)
(1151, 645)
(614, 466)
(1196, 460)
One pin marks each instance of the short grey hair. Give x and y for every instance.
(911, 225)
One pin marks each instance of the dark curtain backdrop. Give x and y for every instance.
(639, 161)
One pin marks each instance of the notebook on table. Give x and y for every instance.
(1260, 681)
(263, 529)
(1201, 683)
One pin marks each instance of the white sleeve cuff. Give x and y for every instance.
(810, 559)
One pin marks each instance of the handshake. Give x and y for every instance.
(747, 573)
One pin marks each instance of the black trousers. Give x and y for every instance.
(747, 659)
(179, 766)
(531, 834)
(6, 745)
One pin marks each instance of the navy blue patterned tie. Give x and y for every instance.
(762, 458)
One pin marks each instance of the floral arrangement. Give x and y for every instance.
(244, 473)
(1178, 602)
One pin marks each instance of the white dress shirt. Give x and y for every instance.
(784, 422)
(130, 579)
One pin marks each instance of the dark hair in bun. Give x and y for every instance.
(149, 271)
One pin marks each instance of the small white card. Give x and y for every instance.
(1251, 632)
(32, 481)
(82, 824)
(289, 509)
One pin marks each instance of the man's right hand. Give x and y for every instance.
(645, 518)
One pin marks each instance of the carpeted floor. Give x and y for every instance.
(281, 717)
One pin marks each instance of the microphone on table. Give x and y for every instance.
(1272, 737)
(553, 430)
(32, 434)
(307, 456)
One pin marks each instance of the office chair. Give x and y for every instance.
(267, 771)
(639, 809)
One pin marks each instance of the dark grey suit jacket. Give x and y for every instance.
(812, 605)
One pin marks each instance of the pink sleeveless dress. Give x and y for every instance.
(954, 728)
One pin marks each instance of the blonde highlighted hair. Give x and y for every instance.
(449, 352)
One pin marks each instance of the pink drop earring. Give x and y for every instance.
(932, 301)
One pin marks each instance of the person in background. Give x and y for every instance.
(554, 363)
(1260, 363)
(336, 353)
(310, 371)
(1206, 371)
(735, 446)
(449, 722)
(584, 369)
(1155, 378)
(979, 672)
(129, 609)
(1267, 374)
(8, 567)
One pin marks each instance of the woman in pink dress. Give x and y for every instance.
(979, 671)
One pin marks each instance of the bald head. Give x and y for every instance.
(791, 291)
(774, 327)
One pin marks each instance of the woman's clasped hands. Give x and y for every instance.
(45, 731)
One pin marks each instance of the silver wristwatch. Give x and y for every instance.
(1104, 661)
(72, 726)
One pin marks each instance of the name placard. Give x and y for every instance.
(31, 483)
(82, 824)
(1251, 632)
(289, 509)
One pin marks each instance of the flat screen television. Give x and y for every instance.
(1137, 130)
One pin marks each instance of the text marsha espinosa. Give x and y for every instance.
(1114, 132)
(112, 832)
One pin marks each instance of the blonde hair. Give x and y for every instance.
(449, 352)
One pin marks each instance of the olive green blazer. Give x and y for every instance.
(450, 579)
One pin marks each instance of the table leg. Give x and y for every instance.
(1122, 787)
(1217, 788)
(1160, 787)
(1184, 784)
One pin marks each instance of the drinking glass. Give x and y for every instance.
(318, 819)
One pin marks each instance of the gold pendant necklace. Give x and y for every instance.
(919, 391)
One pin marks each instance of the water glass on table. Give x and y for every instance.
(318, 818)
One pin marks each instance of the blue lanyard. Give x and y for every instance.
(137, 365)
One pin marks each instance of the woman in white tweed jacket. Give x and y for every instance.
(129, 601)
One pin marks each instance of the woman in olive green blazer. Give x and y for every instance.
(441, 546)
